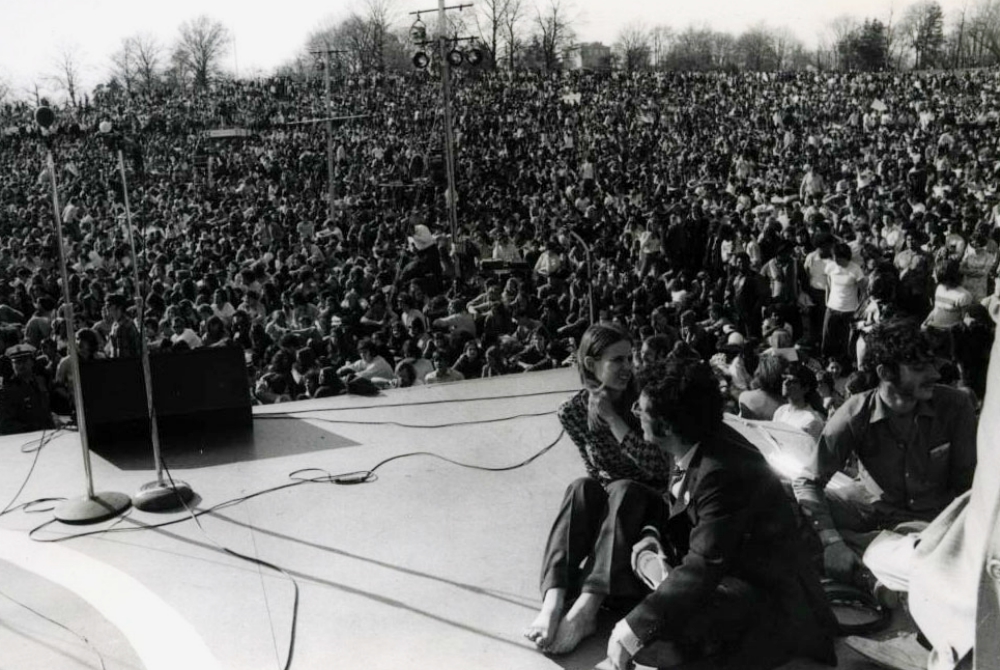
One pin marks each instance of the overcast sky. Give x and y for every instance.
(33, 32)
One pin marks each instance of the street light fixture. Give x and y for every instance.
(421, 60)
(474, 56)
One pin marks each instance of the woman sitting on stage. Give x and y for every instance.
(578, 554)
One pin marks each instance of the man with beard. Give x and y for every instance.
(915, 443)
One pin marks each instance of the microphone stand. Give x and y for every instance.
(590, 273)
(93, 507)
(158, 495)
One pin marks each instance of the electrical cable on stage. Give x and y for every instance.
(345, 478)
(256, 561)
(26, 449)
(404, 425)
(100, 658)
(420, 403)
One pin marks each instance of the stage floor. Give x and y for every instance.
(431, 565)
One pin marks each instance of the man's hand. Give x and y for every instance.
(840, 561)
(619, 657)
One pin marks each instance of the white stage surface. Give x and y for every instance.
(431, 565)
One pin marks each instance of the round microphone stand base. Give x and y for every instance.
(162, 496)
(99, 507)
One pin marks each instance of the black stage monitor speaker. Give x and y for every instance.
(194, 392)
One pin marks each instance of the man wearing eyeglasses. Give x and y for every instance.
(741, 588)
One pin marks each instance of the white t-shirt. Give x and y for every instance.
(815, 265)
(949, 306)
(845, 294)
(379, 367)
(187, 336)
(805, 418)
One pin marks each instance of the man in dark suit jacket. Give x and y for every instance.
(738, 582)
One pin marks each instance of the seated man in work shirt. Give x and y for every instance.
(915, 442)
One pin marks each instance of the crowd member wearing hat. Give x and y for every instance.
(915, 441)
(123, 340)
(24, 398)
(426, 266)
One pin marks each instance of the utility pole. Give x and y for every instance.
(327, 65)
(451, 199)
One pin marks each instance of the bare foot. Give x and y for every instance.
(578, 624)
(542, 630)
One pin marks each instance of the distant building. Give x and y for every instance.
(589, 56)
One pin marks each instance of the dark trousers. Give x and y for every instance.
(836, 333)
(816, 313)
(590, 544)
(590, 549)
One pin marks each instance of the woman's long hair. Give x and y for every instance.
(595, 341)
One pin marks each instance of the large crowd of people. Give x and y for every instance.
(712, 215)
(814, 249)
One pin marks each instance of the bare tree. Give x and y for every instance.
(839, 32)
(68, 71)
(123, 64)
(6, 90)
(147, 53)
(755, 49)
(368, 38)
(200, 47)
(786, 45)
(512, 24)
(633, 47)
(379, 16)
(923, 25)
(984, 34)
(659, 43)
(693, 49)
(553, 32)
(489, 25)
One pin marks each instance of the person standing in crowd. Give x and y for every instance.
(846, 284)
(123, 340)
(782, 273)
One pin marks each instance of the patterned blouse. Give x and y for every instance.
(607, 460)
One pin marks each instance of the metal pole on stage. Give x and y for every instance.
(449, 139)
(590, 274)
(93, 507)
(157, 495)
(327, 65)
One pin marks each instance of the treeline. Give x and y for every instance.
(543, 34)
